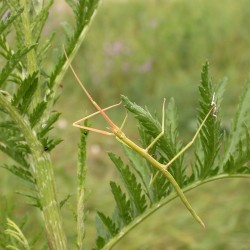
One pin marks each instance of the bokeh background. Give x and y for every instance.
(148, 50)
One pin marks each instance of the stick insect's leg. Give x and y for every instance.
(162, 128)
(99, 131)
(76, 124)
(212, 110)
(124, 120)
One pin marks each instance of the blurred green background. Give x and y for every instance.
(149, 50)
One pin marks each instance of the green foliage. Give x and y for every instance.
(81, 180)
(241, 118)
(209, 152)
(84, 11)
(27, 95)
(12, 63)
(210, 133)
(18, 239)
(123, 210)
(4, 25)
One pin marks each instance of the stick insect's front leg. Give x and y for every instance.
(162, 128)
(104, 132)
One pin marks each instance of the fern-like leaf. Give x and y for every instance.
(5, 23)
(238, 162)
(106, 228)
(210, 135)
(241, 117)
(12, 62)
(37, 113)
(19, 240)
(167, 144)
(207, 157)
(47, 125)
(138, 200)
(123, 209)
(39, 21)
(20, 172)
(13, 144)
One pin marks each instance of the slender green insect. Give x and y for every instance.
(119, 134)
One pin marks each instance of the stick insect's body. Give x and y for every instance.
(119, 134)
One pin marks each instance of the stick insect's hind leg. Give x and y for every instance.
(162, 128)
(99, 131)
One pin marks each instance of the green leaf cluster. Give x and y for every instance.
(28, 91)
(31, 89)
(217, 155)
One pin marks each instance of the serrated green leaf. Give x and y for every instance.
(6, 52)
(210, 135)
(28, 97)
(105, 226)
(140, 165)
(100, 243)
(24, 88)
(20, 172)
(40, 19)
(165, 144)
(12, 62)
(239, 161)
(44, 48)
(150, 124)
(50, 143)
(47, 126)
(137, 198)
(15, 155)
(241, 117)
(37, 113)
(5, 23)
(123, 205)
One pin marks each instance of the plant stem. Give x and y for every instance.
(28, 41)
(44, 175)
(81, 177)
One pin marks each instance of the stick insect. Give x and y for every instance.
(116, 131)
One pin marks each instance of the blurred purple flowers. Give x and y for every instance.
(116, 48)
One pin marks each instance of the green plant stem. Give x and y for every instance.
(81, 176)
(163, 202)
(31, 57)
(27, 32)
(44, 175)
